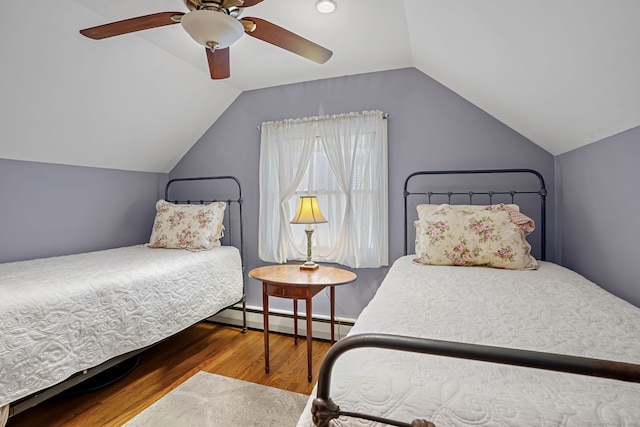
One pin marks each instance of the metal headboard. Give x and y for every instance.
(541, 192)
(237, 199)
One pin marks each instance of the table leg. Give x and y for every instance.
(265, 308)
(295, 321)
(332, 304)
(309, 335)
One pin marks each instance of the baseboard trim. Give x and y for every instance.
(282, 322)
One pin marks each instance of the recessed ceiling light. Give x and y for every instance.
(326, 6)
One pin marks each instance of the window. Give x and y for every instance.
(342, 160)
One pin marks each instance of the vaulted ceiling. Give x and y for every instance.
(562, 73)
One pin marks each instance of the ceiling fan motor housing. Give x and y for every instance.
(212, 28)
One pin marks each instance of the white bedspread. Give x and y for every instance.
(552, 309)
(64, 314)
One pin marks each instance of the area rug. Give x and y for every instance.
(210, 400)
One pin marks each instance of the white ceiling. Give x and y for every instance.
(562, 73)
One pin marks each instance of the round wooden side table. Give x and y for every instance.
(289, 281)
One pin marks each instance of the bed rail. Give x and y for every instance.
(324, 409)
(431, 191)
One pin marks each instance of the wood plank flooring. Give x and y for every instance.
(214, 348)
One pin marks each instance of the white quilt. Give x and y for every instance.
(64, 314)
(552, 309)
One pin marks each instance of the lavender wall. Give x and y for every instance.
(430, 127)
(600, 191)
(49, 210)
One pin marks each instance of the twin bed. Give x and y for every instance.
(64, 319)
(423, 351)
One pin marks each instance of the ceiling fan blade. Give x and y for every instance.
(278, 36)
(132, 25)
(218, 59)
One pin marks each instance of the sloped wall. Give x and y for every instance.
(600, 195)
(430, 127)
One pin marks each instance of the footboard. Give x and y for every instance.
(324, 409)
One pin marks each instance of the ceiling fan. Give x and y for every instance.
(216, 25)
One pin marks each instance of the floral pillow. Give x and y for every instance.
(492, 236)
(187, 226)
(426, 208)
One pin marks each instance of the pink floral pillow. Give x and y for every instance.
(425, 209)
(492, 236)
(187, 226)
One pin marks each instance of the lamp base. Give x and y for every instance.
(309, 266)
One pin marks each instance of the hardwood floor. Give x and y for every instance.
(218, 349)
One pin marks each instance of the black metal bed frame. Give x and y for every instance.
(324, 409)
(228, 225)
(541, 192)
(118, 361)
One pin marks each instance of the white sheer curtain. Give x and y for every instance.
(342, 159)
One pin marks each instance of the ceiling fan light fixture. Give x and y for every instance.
(326, 6)
(209, 26)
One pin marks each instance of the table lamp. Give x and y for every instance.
(308, 213)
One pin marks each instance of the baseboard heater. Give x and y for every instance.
(282, 322)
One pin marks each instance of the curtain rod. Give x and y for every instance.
(384, 116)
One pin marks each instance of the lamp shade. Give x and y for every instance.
(206, 26)
(308, 211)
